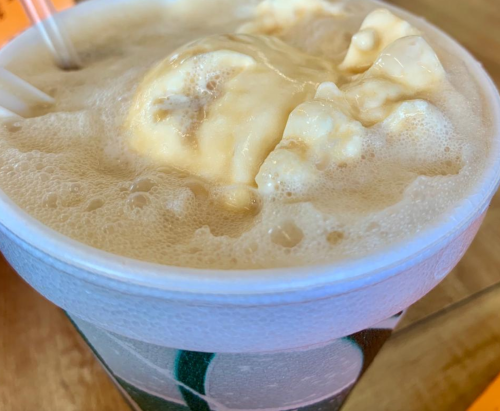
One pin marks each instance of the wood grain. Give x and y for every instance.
(44, 365)
(443, 363)
(445, 353)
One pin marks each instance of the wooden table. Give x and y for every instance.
(441, 358)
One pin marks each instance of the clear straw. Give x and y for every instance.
(14, 104)
(4, 113)
(17, 96)
(41, 14)
(23, 88)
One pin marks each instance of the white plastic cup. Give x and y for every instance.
(277, 339)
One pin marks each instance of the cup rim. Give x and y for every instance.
(343, 275)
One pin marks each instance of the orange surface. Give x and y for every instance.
(13, 20)
(490, 400)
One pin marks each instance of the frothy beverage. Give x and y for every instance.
(247, 134)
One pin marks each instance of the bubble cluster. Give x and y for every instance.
(71, 168)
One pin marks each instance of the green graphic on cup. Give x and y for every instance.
(155, 378)
(191, 369)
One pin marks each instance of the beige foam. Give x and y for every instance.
(72, 168)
